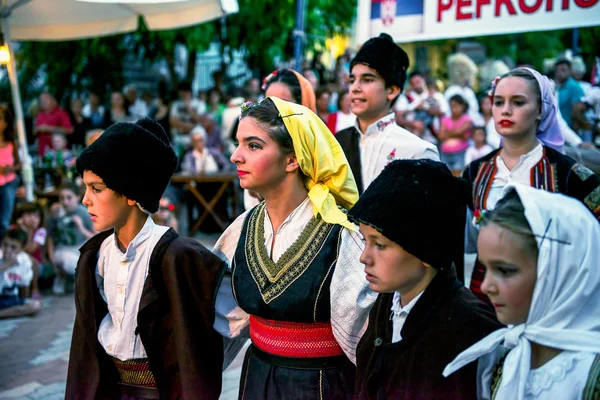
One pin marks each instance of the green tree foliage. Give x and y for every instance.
(262, 30)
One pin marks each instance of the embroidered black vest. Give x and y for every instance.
(296, 287)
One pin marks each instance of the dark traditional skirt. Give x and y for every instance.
(289, 360)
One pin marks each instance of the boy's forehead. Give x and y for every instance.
(363, 69)
(90, 178)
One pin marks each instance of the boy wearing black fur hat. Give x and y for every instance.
(423, 316)
(144, 296)
(377, 77)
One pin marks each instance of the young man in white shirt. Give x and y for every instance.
(144, 295)
(377, 76)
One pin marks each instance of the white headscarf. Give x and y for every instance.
(565, 306)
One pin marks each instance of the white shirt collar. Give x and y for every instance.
(397, 306)
(140, 238)
(377, 126)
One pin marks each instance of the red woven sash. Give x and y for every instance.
(294, 339)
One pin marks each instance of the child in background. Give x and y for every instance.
(69, 227)
(15, 272)
(60, 155)
(454, 134)
(479, 148)
(30, 218)
(165, 215)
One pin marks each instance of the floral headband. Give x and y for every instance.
(493, 88)
(268, 79)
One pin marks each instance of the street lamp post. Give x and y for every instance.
(299, 34)
(6, 57)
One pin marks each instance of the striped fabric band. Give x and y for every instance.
(135, 372)
(294, 339)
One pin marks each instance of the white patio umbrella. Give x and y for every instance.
(54, 20)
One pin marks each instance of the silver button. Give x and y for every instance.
(378, 342)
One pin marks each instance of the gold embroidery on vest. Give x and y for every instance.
(273, 278)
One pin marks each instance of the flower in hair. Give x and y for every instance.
(478, 216)
(493, 88)
(246, 106)
(268, 79)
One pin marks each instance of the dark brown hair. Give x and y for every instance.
(267, 116)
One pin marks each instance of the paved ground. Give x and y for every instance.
(35, 351)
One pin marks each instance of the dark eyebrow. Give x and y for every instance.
(95, 183)
(365, 75)
(251, 138)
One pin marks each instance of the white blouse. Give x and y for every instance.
(562, 378)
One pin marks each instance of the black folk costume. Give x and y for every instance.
(174, 323)
(289, 306)
(144, 316)
(285, 285)
(405, 348)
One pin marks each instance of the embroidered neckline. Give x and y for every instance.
(273, 278)
(553, 371)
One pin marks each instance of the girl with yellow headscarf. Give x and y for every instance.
(283, 254)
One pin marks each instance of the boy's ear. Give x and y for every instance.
(393, 92)
(131, 202)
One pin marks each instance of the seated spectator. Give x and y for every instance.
(201, 159)
(343, 118)
(69, 227)
(119, 110)
(165, 215)
(30, 219)
(15, 272)
(94, 111)
(60, 156)
(184, 117)
(50, 119)
(81, 124)
(479, 148)
(137, 107)
(159, 111)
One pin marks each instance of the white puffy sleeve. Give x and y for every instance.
(351, 298)
(230, 320)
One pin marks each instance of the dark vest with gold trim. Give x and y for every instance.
(296, 287)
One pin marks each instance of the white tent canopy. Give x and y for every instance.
(48, 20)
(73, 19)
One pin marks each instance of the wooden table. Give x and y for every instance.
(190, 181)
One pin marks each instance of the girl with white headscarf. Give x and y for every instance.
(542, 256)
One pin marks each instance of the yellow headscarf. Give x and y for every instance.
(329, 179)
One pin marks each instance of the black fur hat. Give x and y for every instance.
(386, 57)
(419, 205)
(133, 159)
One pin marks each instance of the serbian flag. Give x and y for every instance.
(397, 17)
